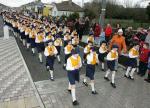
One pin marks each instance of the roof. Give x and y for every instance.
(66, 6)
(35, 3)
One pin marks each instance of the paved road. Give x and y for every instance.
(16, 90)
(128, 94)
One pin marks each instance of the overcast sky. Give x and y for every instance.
(16, 3)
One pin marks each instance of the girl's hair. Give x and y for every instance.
(103, 42)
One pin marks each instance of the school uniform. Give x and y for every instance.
(111, 58)
(39, 40)
(132, 63)
(73, 71)
(92, 60)
(50, 52)
(133, 54)
(102, 53)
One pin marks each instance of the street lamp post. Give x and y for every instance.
(102, 15)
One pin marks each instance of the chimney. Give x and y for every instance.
(70, 2)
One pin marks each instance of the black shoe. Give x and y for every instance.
(113, 85)
(41, 62)
(59, 62)
(106, 78)
(131, 78)
(85, 83)
(69, 91)
(75, 103)
(126, 76)
(94, 92)
(52, 79)
(147, 80)
(64, 67)
(103, 70)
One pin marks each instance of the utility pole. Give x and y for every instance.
(102, 15)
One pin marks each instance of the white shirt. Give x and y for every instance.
(69, 66)
(90, 58)
(102, 51)
(46, 53)
(37, 40)
(86, 50)
(66, 51)
(131, 55)
(109, 56)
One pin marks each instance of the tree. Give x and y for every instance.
(148, 11)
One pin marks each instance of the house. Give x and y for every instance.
(66, 8)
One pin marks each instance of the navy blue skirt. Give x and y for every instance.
(22, 34)
(73, 76)
(50, 62)
(32, 42)
(111, 65)
(27, 38)
(101, 57)
(90, 71)
(132, 62)
(40, 47)
(58, 49)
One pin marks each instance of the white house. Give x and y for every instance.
(66, 8)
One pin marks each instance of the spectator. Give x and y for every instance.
(148, 77)
(102, 36)
(108, 32)
(143, 59)
(147, 40)
(97, 32)
(119, 40)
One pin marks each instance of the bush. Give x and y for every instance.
(74, 16)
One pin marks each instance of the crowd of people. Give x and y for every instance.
(49, 38)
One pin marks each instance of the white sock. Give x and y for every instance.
(33, 50)
(40, 57)
(28, 45)
(102, 65)
(24, 42)
(58, 57)
(65, 65)
(69, 86)
(92, 86)
(51, 73)
(107, 73)
(73, 93)
(128, 70)
(113, 76)
(132, 72)
(85, 80)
